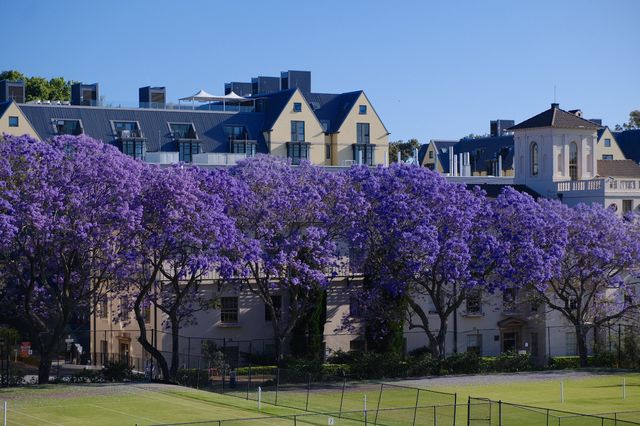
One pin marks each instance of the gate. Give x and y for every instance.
(479, 412)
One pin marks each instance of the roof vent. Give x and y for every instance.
(576, 112)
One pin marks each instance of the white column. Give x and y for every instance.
(499, 165)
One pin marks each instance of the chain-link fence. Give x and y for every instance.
(318, 392)
(413, 416)
(485, 412)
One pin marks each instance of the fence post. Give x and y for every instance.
(619, 345)
(249, 382)
(277, 384)
(306, 404)
(375, 421)
(415, 410)
(547, 417)
(198, 379)
(344, 384)
(189, 352)
(224, 374)
(500, 412)
(468, 411)
(455, 407)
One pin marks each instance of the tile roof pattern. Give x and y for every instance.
(96, 122)
(556, 117)
(618, 168)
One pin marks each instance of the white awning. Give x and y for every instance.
(201, 96)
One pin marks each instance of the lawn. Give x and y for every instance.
(146, 404)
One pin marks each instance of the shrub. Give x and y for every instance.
(341, 357)
(117, 371)
(462, 363)
(87, 376)
(257, 370)
(192, 377)
(373, 365)
(16, 377)
(422, 364)
(510, 362)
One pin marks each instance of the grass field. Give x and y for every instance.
(145, 404)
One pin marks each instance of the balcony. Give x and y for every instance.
(601, 186)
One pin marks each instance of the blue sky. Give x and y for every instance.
(432, 69)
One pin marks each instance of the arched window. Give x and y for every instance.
(573, 161)
(534, 159)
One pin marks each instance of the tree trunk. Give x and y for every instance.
(581, 339)
(142, 339)
(441, 339)
(279, 348)
(44, 368)
(175, 347)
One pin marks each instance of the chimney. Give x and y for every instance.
(555, 106)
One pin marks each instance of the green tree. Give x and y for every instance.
(633, 123)
(405, 148)
(55, 89)
(37, 88)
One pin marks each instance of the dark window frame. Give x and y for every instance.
(362, 109)
(297, 107)
(14, 121)
(297, 131)
(229, 310)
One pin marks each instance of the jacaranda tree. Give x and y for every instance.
(185, 237)
(593, 282)
(293, 217)
(69, 211)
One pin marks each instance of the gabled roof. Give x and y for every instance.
(629, 143)
(556, 117)
(96, 122)
(333, 108)
(274, 105)
(4, 106)
(618, 168)
(422, 152)
(484, 150)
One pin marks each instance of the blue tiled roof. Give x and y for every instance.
(333, 108)
(422, 152)
(274, 103)
(96, 123)
(4, 106)
(484, 150)
(629, 143)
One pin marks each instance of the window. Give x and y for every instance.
(67, 127)
(431, 155)
(147, 312)
(126, 129)
(607, 156)
(234, 133)
(183, 131)
(277, 304)
(534, 159)
(124, 308)
(362, 109)
(103, 308)
(474, 302)
(297, 131)
(229, 309)
(509, 297)
(297, 151)
(364, 153)
(297, 107)
(627, 206)
(135, 148)
(572, 344)
(573, 161)
(354, 307)
(187, 149)
(474, 343)
(509, 341)
(327, 152)
(607, 143)
(244, 147)
(14, 121)
(362, 131)
(357, 345)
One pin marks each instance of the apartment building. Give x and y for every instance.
(280, 116)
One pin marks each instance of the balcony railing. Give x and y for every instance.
(599, 185)
(580, 185)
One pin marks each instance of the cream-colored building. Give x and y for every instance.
(14, 122)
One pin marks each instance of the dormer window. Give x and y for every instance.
(183, 131)
(67, 127)
(126, 129)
